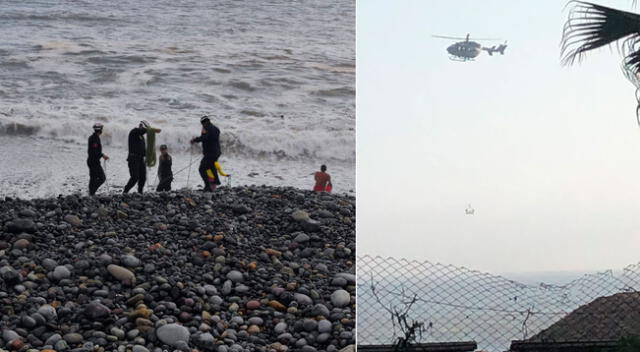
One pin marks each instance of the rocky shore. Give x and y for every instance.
(242, 269)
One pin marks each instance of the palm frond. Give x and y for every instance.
(591, 26)
(630, 66)
(631, 63)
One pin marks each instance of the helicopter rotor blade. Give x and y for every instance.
(464, 38)
(447, 37)
(485, 39)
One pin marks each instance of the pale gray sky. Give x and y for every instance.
(549, 156)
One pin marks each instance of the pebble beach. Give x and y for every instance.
(250, 268)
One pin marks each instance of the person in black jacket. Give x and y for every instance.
(137, 152)
(210, 139)
(165, 175)
(96, 173)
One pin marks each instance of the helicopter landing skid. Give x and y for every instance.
(460, 59)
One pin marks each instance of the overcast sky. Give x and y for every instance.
(548, 156)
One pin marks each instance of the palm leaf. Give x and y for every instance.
(591, 26)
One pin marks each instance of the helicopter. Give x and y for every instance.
(468, 50)
(469, 210)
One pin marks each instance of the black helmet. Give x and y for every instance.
(145, 124)
(204, 119)
(98, 127)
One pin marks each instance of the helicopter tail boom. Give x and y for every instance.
(493, 49)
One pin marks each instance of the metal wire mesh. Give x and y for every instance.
(459, 304)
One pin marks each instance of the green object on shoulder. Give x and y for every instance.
(151, 147)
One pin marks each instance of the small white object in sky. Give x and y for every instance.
(469, 210)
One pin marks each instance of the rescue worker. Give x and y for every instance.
(96, 173)
(165, 175)
(210, 138)
(135, 159)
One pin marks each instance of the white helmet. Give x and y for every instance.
(98, 126)
(145, 124)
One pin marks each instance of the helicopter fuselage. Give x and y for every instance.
(466, 50)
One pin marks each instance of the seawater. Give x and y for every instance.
(277, 77)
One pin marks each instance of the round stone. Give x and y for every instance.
(73, 220)
(122, 274)
(324, 326)
(21, 244)
(309, 325)
(206, 338)
(48, 312)
(97, 311)
(61, 272)
(323, 337)
(340, 298)
(119, 333)
(28, 322)
(253, 304)
(171, 334)
(130, 261)
(139, 348)
(235, 276)
(280, 328)
(73, 338)
(302, 298)
(53, 339)
(49, 264)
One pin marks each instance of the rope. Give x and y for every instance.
(190, 163)
(106, 179)
(184, 168)
(155, 183)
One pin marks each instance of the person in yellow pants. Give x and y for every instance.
(211, 175)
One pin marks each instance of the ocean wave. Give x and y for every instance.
(176, 50)
(340, 68)
(121, 59)
(104, 74)
(78, 17)
(17, 129)
(252, 113)
(85, 52)
(242, 85)
(14, 64)
(276, 57)
(169, 61)
(336, 92)
(235, 141)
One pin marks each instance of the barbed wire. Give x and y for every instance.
(459, 304)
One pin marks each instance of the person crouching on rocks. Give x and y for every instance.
(210, 138)
(96, 173)
(137, 152)
(323, 180)
(165, 175)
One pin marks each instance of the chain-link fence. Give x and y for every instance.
(459, 304)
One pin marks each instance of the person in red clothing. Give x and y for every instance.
(323, 180)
